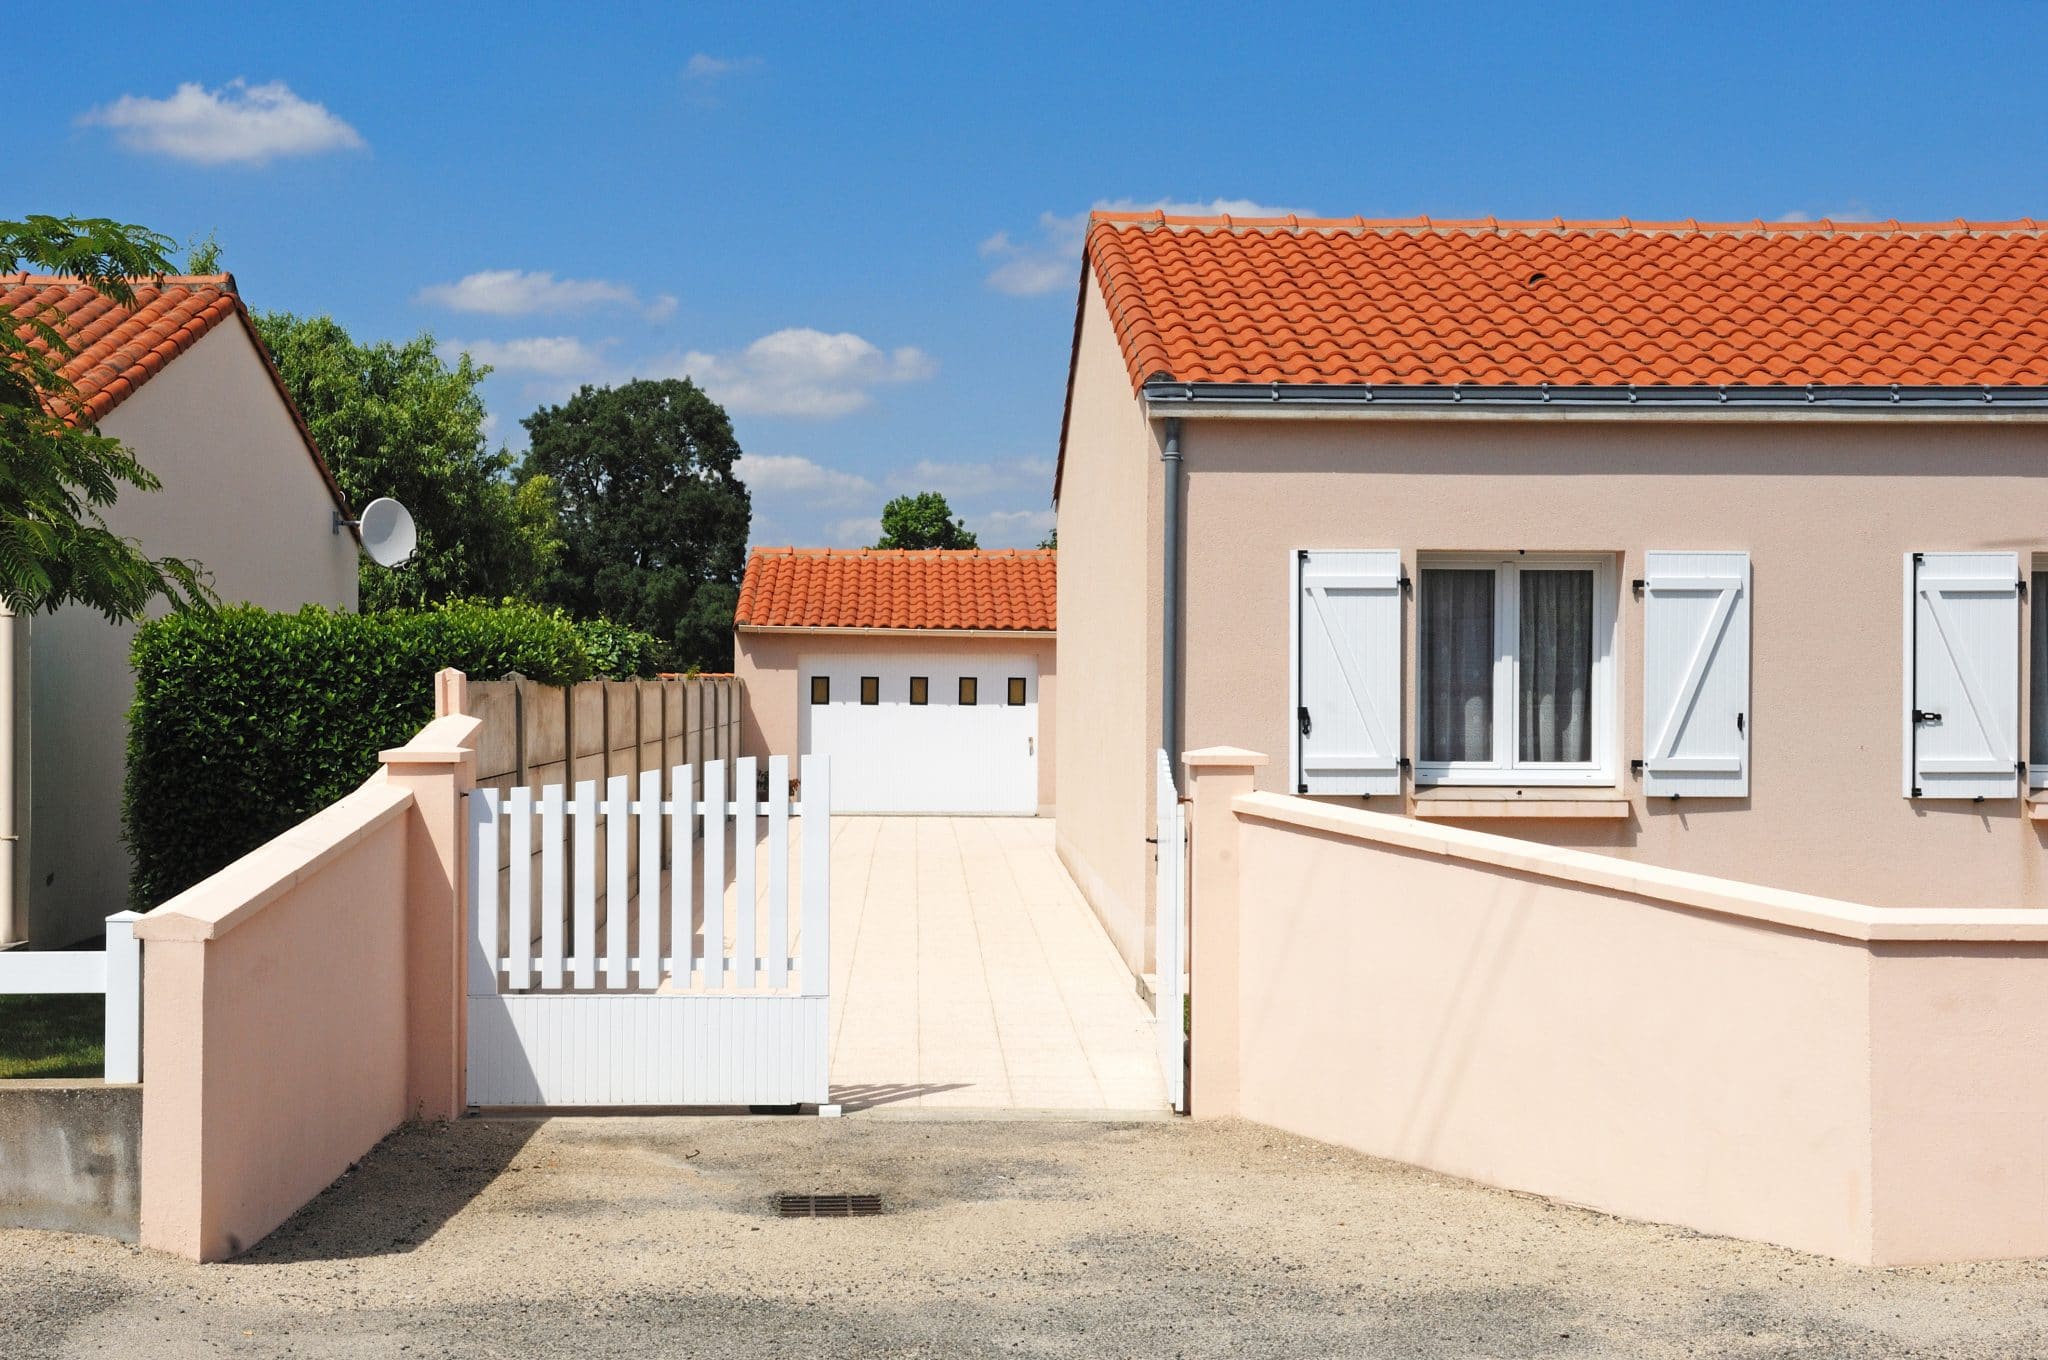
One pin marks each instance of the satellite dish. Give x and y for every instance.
(389, 536)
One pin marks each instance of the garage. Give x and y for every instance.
(926, 675)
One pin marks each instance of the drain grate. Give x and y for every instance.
(828, 1206)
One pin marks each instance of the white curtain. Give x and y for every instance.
(1556, 666)
(2038, 698)
(1456, 665)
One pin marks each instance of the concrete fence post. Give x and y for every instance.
(438, 774)
(1215, 776)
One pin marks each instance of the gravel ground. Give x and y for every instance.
(624, 1237)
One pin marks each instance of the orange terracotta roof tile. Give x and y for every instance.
(1009, 590)
(116, 349)
(1355, 301)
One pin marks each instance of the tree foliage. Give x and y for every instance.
(397, 420)
(58, 473)
(923, 521)
(652, 521)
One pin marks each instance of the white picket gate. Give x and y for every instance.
(115, 970)
(1169, 996)
(624, 952)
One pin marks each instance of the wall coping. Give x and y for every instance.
(447, 740)
(1223, 758)
(217, 904)
(1670, 887)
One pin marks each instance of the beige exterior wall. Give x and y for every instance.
(1821, 1074)
(1826, 510)
(1109, 630)
(242, 497)
(767, 664)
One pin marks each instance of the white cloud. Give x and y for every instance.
(1052, 259)
(1011, 528)
(238, 123)
(862, 531)
(960, 481)
(1855, 210)
(791, 477)
(802, 372)
(524, 292)
(703, 66)
(553, 356)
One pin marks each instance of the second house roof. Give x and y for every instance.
(1008, 591)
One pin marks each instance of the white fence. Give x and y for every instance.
(115, 970)
(639, 947)
(1170, 942)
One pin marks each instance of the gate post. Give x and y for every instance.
(439, 767)
(1216, 775)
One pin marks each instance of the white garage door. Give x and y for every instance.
(924, 734)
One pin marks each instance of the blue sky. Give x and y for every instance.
(858, 226)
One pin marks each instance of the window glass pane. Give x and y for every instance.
(967, 689)
(821, 689)
(2037, 683)
(870, 689)
(1456, 662)
(1554, 678)
(920, 689)
(1016, 691)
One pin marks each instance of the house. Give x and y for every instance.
(182, 379)
(1705, 546)
(931, 672)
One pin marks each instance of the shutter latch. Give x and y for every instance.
(1921, 715)
(1306, 725)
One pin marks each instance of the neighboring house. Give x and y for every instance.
(182, 380)
(1707, 546)
(930, 672)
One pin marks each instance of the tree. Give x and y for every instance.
(653, 523)
(58, 473)
(202, 256)
(923, 521)
(398, 421)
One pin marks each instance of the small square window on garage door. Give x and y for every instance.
(969, 691)
(821, 689)
(920, 690)
(1016, 691)
(871, 690)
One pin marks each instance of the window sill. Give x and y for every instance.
(1462, 809)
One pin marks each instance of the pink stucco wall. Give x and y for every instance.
(301, 1002)
(767, 662)
(1855, 1081)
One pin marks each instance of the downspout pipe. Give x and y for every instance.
(1169, 661)
(9, 931)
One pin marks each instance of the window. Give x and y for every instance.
(1514, 670)
(967, 690)
(821, 689)
(2037, 681)
(870, 690)
(920, 690)
(1016, 691)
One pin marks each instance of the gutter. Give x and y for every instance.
(1165, 397)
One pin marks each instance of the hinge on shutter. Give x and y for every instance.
(1301, 716)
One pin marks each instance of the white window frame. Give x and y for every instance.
(1507, 605)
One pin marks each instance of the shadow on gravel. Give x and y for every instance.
(399, 1194)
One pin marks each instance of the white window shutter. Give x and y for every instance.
(1696, 674)
(1962, 697)
(1347, 619)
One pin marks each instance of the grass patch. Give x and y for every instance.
(53, 1036)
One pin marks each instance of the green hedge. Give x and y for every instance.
(246, 722)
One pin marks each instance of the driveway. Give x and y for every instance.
(634, 1237)
(969, 973)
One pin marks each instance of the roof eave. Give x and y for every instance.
(875, 631)
(1165, 397)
